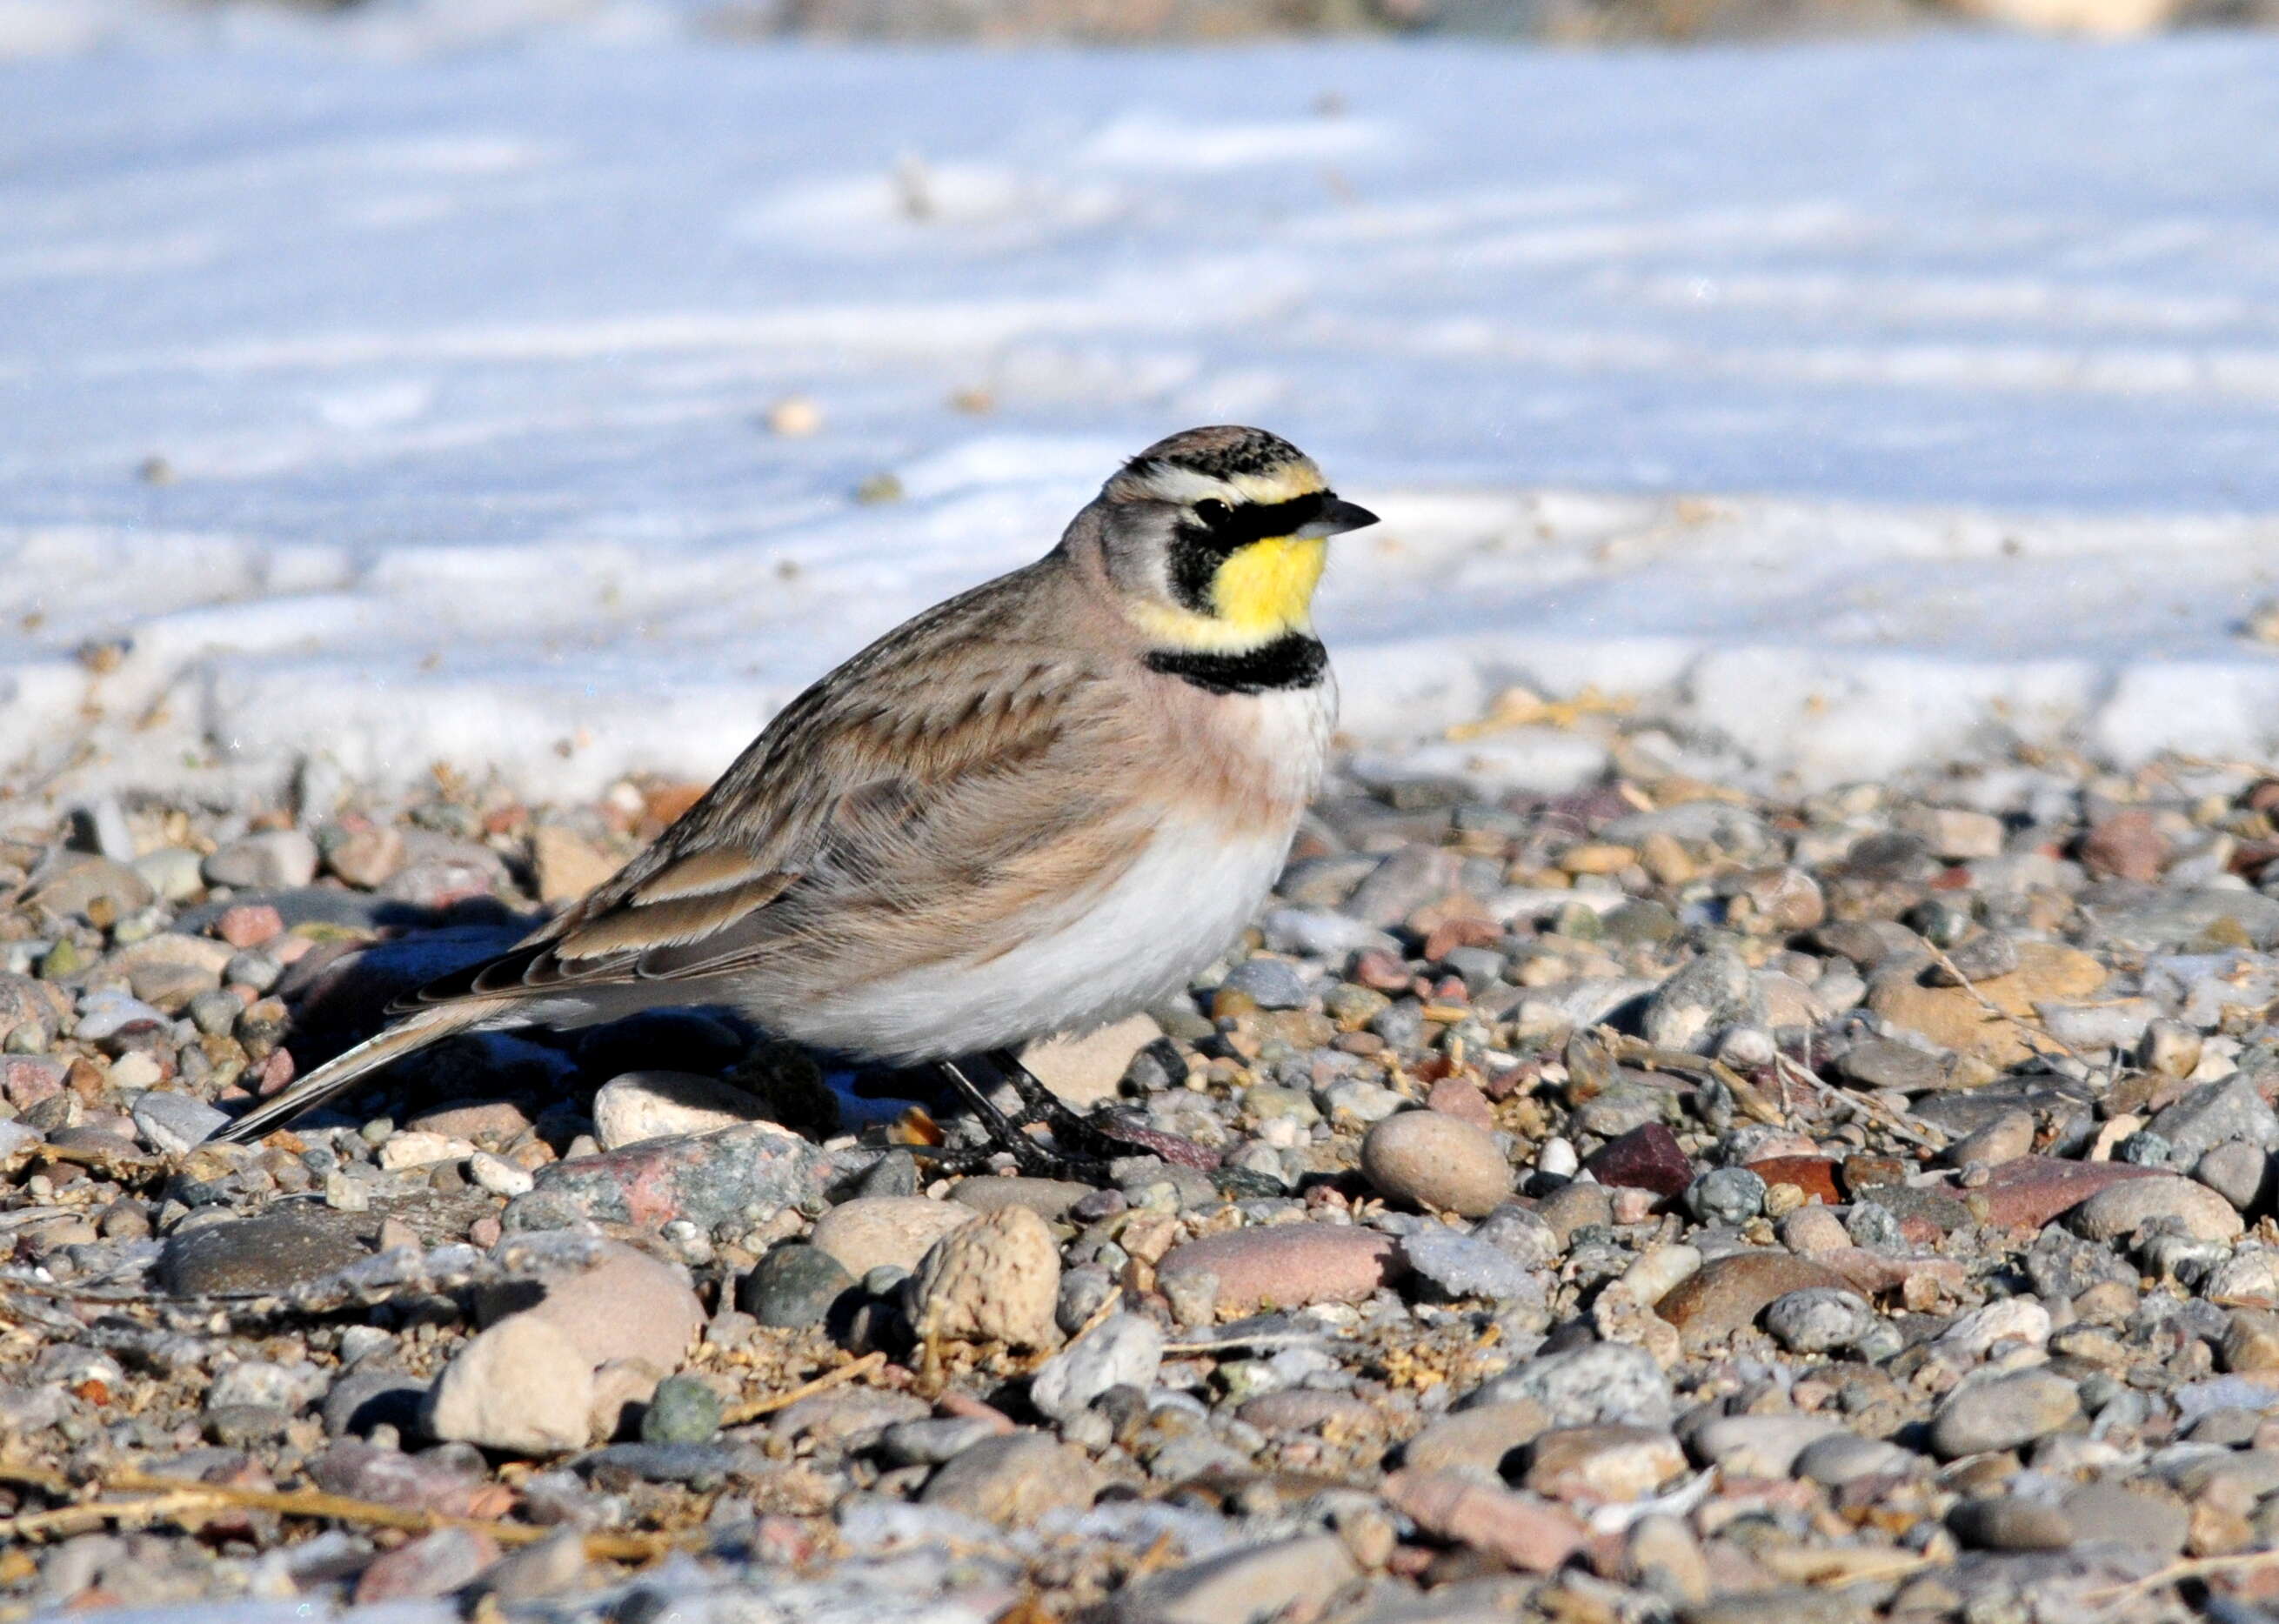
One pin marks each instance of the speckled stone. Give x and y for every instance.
(268, 1252)
(714, 1180)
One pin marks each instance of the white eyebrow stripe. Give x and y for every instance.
(1170, 482)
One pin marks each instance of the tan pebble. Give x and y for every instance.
(1434, 1161)
(996, 1279)
(871, 1230)
(1603, 1462)
(522, 1387)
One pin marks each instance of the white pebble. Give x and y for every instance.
(497, 1175)
(1557, 1158)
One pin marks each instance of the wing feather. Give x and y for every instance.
(907, 784)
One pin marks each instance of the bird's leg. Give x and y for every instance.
(1039, 1106)
(1033, 1157)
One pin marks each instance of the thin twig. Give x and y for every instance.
(2177, 1572)
(2037, 1029)
(312, 1502)
(1745, 1093)
(824, 1383)
(1906, 1124)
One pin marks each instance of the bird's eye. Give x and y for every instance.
(1213, 512)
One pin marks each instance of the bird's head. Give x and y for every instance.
(1215, 538)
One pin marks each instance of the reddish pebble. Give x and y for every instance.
(1517, 1529)
(1451, 934)
(250, 924)
(275, 1073)
(2127, 845)
(1815, 1176)
(2030, 1192)
(432, 1565)
(1456, 1097)
(1382, 971)
(1729, 1293)
(1647, 1158)
(1289, 1264)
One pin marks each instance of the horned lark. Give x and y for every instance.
(1036, 807)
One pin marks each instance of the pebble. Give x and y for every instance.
(2238, 1171)
(1731, 1291)
(275, 860)
(522, 1387)
(681, 1410)
(432, 1565)
(1843, 1457)
(2123, 1209)
(1465, 1265)
(1602, 1382)
(2108, 1513)
(712, 1181)
(1712, 991)
(871, 1231)
(640, 1106)
(1647, 1158)
(78, 883)
(1482, 1439)
(1286, 1265)
(1819, 1319)
(172, 1123)
(794, 1287)
(269, 1252)
(2010, 1319)
(2217, 1113)
(628, 1307)
(1436, 1162)
(1726, 1195)
(1519, 1530)
(1125, 1350)
(996, 1279)
(2002, 1412)
(1087, 1069)
(2010, 1522)
(1767, 1446)
(1284, 1578)
(1268, 982)
(498, 1176)
(2029, 1192)
(1013, 1478)
(934, 1439)
(1605, 1462)
(1520, 1234)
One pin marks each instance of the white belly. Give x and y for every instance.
(1170, 915)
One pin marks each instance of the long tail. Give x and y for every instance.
(342, 1071)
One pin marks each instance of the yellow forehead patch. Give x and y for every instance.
(1267, 588)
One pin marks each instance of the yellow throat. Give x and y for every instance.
(1267, 588)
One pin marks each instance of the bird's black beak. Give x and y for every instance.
(1336, 518)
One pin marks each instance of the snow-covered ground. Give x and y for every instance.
(1835, 399)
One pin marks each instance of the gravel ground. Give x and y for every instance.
(1660, 1200)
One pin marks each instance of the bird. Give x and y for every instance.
(1036, 807)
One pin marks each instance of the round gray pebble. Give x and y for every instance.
(1820, 1319)
(1726, 1195)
